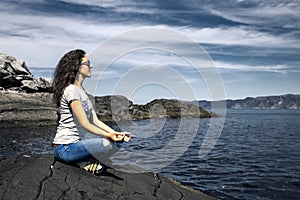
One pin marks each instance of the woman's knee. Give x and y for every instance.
(97, 145)
(107, 144)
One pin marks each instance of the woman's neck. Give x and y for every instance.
(78, 82)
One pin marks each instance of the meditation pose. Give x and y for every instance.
(78, 119)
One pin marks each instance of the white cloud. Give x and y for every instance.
(226, 66)
(102, 3)
(277, 14)
(239, 36)
(48, 37)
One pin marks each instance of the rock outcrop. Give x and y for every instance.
(14, 75)
(118, 108)
(30, 177)
(113, 108)
(164, 108)
(23, 109)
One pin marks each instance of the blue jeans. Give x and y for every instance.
(84, 150)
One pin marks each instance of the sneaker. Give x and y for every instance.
(94, 167)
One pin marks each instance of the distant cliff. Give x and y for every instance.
(288, 101)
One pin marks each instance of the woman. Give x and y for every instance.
(77, 117)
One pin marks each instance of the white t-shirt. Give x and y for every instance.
(69, 130)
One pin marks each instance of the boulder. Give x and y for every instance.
(113, 108)
(14, 75)
(30, 177)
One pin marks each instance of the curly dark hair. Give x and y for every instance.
(65, 73)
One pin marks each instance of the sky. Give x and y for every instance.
(185, 49)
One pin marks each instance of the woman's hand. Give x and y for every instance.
(117, 137)
(127, 136)
(121, 136)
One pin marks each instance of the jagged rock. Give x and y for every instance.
(10, 65)
(14, 75)
(30, 177)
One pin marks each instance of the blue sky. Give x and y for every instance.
(254, 45)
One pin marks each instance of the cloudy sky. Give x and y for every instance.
(251, 46)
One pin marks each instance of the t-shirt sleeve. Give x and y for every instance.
(72, 93)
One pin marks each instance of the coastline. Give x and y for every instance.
(37, 109)
(29, 177)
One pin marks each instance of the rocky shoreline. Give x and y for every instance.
(26, 101)
(26, 109)
(38, 109)
(30, 177)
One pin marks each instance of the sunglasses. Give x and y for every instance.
(87, 63)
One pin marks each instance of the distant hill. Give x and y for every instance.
(288, 101)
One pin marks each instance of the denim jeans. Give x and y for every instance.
(84, 150)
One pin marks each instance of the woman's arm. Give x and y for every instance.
(100, 124)
(80, 114)
(106, 128)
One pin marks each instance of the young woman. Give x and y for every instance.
(77, 118)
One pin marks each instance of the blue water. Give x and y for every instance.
(256, 156)
(45, 72)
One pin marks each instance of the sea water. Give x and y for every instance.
(256, 156)
(44, 72)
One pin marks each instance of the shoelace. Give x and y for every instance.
(94, 168)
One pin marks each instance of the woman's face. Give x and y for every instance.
(85, 67)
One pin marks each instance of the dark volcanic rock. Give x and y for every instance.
(14, 75)
(26, 109)
(29, 177)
